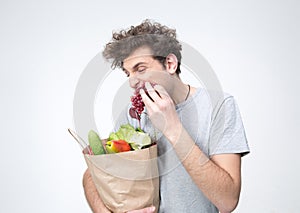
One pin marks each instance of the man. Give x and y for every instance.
(200, 143)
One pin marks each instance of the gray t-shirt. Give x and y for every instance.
(213, 120)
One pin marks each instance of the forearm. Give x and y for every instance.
(216, 183)
(92, 195)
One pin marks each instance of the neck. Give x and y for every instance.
(179, 92)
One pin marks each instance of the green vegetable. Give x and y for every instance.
(135, 137)
(113, 136)
(95, 143)
(138, 129)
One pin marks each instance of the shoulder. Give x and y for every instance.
(214, 98)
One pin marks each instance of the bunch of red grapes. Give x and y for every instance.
(137, 105)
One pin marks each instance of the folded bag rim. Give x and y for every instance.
(135, 165)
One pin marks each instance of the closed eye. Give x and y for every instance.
(141, 68)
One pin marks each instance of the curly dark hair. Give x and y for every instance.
(159, 38)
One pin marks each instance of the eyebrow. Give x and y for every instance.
(135, 66)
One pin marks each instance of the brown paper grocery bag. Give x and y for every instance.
(127, 180)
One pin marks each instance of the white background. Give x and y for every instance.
(253, 46)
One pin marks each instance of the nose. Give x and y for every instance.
(133, 82)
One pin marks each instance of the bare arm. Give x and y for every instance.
(92, 195)
(218, 178)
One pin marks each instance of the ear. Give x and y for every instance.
(171, 63)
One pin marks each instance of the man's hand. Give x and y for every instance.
(145, 210)
(161, 109)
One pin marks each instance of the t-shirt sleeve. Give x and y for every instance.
(227, 133)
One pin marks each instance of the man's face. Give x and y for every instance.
(140, 67)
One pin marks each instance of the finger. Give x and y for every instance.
(151, 91)
(161, 91)
(146, 99)
(145, 210)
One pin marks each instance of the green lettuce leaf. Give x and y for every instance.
(135, 137)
